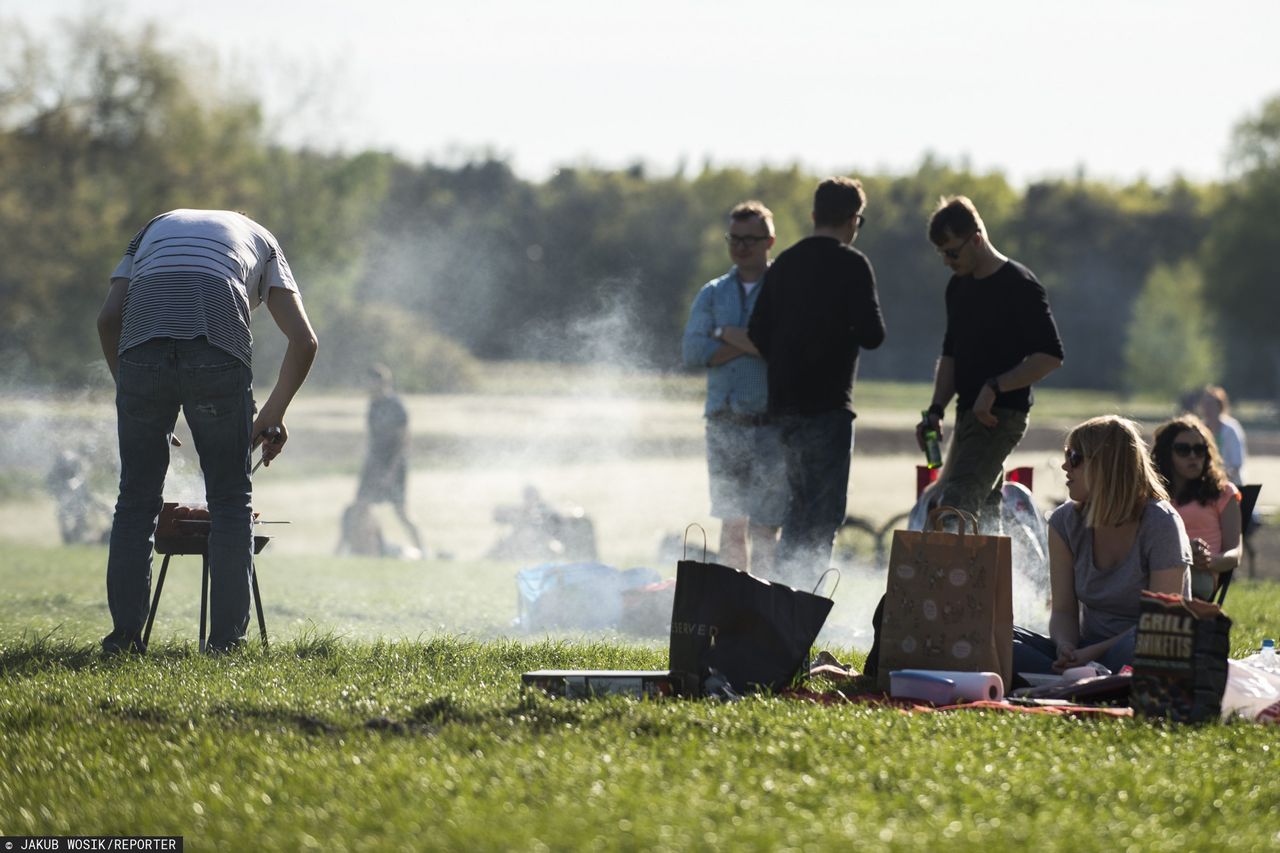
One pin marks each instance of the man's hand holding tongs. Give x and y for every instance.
(272, 439)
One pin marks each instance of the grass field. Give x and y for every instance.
(388, 714)
(424, 739)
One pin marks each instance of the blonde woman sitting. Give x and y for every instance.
(1115, 537)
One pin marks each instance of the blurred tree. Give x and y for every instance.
(100, 130)
(1092, 246)
(1238, 258)
(1170, 346)
(422, 360)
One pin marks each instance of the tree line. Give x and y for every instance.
(1156, 288)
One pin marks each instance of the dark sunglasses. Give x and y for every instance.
(1197, 450)
(861, 219)
(954, 252)
(1074, 457)
(748, 241)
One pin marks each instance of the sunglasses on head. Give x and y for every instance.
(1074, 457)
(1184, 449)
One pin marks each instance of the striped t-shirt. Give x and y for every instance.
(196, 273)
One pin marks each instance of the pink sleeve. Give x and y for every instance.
(1229, 493)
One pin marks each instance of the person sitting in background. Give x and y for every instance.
(1186, 456)
(1116, 536)
(1226, 430)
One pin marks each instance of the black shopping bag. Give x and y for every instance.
(1180, 659)
(755, 633)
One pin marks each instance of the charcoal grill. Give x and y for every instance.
(176, 536)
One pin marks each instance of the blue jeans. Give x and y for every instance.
(817, 450)
(214, 390)
(1034, 652)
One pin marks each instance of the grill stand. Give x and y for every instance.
(260, 543)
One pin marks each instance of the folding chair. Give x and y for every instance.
(1248, 500)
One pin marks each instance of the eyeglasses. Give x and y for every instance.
(1074, 457)
(861, 220)
(747, 241)
(954, 252)
(1184, 450)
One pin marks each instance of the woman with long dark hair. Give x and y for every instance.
(1186, 456)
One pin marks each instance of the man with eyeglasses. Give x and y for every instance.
(744, 451)
(818, 307)
(1001, 339)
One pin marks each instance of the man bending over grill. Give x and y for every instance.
(175, 334)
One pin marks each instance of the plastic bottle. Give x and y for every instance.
(932, 447)
(1267, 657)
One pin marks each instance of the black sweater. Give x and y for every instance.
(993, 323)
(817, 307)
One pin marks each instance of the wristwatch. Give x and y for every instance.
(994, 384)
(718, 332)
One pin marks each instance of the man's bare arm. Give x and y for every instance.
(1029, 371)
(944, 388)
(944, 381)
(737, 336)
(725, 353)
(286, 309)
(110, 322)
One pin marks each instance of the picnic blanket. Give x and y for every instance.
(910, 706)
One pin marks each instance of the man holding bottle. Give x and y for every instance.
(1001, 338)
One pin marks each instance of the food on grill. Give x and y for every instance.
(184, 520)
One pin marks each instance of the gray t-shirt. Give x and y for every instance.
(1109, 600)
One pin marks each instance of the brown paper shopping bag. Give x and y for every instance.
(948, 601)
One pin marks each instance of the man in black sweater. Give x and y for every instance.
(1001, 338)
(817, 307)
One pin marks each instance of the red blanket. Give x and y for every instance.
(910, 706)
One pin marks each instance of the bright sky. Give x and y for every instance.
(1126, 88)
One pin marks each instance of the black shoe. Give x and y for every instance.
(123, 642)
(227, 648)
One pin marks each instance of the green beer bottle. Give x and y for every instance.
(932, 447)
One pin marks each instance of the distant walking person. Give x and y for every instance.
(1001, 338)
(1215, 408)
(744, 450)
(386, 464)
(817, 308)
(175, 334)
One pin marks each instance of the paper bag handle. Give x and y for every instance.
(822, 577)
(704, 540)
(938, 513)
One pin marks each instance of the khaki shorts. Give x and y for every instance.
(747, 471)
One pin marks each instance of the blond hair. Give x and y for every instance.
(1122, 480)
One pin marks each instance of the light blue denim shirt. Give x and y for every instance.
(739, 385)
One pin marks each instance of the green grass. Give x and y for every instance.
(335, 740)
